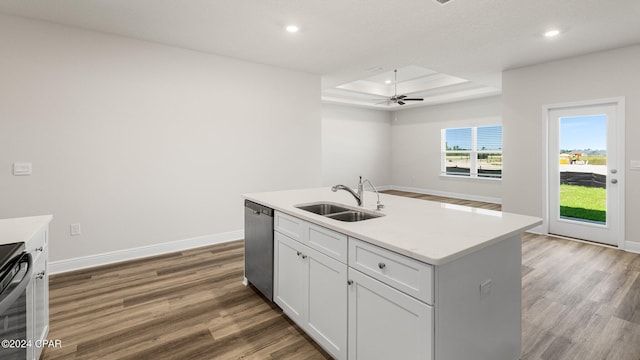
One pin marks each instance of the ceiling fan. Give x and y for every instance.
(398, 99)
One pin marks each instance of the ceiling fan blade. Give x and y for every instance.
(400, 97)
(400, 102)
(413, 99)
(387, 102)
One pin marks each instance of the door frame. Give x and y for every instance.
(619, 104)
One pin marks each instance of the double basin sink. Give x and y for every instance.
(339, 212)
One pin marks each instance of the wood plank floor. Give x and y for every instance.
(580, 301)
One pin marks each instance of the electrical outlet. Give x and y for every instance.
(75, 229)
(485, 287)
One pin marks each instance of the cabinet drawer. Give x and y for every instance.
(410, 276)
(289, 225)
(328, 242)
(37, 244)
(37, 241)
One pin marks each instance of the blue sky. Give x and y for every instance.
(583, 132)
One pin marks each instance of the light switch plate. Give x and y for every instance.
(75, 229)
(634, 164)
(21, 169)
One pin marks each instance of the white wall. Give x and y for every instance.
(415, 155)
(142, 143)
(596, 76)
(355, 142)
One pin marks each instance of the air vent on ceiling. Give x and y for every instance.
(443, 1)
(374, 69)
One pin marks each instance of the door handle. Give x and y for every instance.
(614, 181)
(614, 171)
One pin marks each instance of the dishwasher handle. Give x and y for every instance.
(258, 209)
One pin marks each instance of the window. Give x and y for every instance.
(473, 151)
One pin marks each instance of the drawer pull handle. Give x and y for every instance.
(40, 248)
(382, 265)
(304, 256)
(40, 275)
(349, 282)
(299, 253)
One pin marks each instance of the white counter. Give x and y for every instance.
(21, 229)
(432, 232)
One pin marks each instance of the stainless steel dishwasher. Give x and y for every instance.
(258, 247)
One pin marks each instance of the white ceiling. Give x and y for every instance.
(414, 82)
(348, 40)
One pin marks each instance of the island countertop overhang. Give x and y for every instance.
(21, 229)
(431, 232)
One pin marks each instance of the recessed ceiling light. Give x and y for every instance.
(387, 82)
(292, 28)
(552, 33)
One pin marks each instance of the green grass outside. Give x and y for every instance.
(581, 202)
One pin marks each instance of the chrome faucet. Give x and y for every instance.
(360, 194)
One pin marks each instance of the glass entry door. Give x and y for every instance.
(583, 173)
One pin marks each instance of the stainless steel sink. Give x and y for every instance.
(351, 216)
(323, 208)
(338, 212)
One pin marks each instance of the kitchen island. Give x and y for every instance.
(426, 280)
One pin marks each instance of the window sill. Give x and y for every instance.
(470, 178)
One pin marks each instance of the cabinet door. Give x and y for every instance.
(385, 323)
(327, 314)
(40, 283)
(290, 278)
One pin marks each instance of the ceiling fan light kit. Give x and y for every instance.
(398, 99)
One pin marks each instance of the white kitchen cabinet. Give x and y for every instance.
(385, 323)
(311, 288)
(327, 316)
(38, 325)
(290, 277)
(41, 300)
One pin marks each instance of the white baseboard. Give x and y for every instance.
(448, 194)
(56, 267)
(538, 230)
(632, 246)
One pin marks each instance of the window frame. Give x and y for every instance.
(473, 155)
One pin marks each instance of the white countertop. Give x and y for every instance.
(21, 229)
(432, 232)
